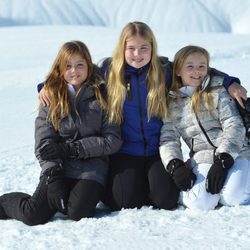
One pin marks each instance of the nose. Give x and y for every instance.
(73, 68)
(197, 71)
(136, 52)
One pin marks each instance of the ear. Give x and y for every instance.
(178, 73)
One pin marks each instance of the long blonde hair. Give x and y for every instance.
(156, 98)
(56, 86)
(197, 98)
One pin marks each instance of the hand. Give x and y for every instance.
(43, 97)
(183, 176)
(237, 92)
(57, 192)
(218, 172)
(61, 151)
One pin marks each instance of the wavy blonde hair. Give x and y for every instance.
(156, 98)
(56, 86)
(197, 98)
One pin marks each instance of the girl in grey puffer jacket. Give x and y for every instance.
(207, 119)
(73, 139)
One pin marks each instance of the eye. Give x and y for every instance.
(80, 66)
(68, 67)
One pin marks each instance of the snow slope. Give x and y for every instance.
(166, 15)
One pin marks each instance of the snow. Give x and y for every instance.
(31, 33)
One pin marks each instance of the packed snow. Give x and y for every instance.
(31, 33)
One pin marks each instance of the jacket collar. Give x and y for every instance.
(131, 69)
(85, 92)
(189, 90)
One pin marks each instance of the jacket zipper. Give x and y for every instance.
(140, 111)
(75, 108)
(129, 89)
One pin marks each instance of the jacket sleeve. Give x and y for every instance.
(44, 133)
(104, 67)
(170, 144)
(106, 143)
(40, 86)
(232, 125)
(228, 80)
(169, 71)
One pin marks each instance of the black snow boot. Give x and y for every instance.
(3, 215)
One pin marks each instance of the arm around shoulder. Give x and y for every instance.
(232, 125)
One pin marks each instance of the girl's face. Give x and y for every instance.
(76, 71)
(137, 52)
(193, 70)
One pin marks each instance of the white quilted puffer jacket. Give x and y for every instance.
(223, 126)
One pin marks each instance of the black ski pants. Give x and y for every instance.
(33, 210)
(135, 181)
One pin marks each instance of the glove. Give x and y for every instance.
(183, 177)
(218, 172)
(57, 192)
(61, 151)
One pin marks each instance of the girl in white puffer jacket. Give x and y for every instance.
(207, 119)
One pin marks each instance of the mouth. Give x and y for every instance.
(138, 60)
(196, 78)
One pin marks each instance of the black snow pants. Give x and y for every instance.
(33, 210)
(135, 181)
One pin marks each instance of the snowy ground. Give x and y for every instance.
(27, 53)
(147, 228)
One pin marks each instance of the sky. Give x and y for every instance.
(31, 33)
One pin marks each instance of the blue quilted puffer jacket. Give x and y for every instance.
(140, 135)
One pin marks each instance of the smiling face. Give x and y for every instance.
(76, 71)
(137, 52)
(193, 70)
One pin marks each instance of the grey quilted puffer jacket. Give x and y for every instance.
(87, 122)
(223, 126)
